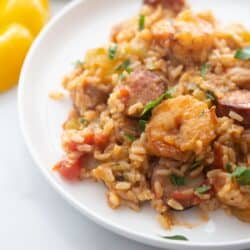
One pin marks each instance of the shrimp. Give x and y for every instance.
(228, 191)
(180, 126)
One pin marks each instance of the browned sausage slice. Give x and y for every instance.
(175, 5)
(89, 96)
(237, 101)
(164, 189)
(125, 126)
(144, 86)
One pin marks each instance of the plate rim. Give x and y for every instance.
(106, 223)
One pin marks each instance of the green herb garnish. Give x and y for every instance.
(124, 66)
(84, 121)
(242, 175)
(242, 54)
(204, 69)
(78, 64)
(203, 189)
(176, 237)
(229, 168)
(112, 51)
(177, 180)
(129, 137)
(142, 125)
(211, 96)
(141, 22)
(151, 105)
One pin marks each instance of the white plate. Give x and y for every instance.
(80, 26)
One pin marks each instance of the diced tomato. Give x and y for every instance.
(124, 92)
(186, 199)
(101, 140)
(89, 139)
(71, 146)
(179, 195)
(68, 170)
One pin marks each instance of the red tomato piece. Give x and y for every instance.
(71, 146)
(124, 92)
(101, 140)
(89, 139)
(70, 171)
(186, 199)
(179, 195)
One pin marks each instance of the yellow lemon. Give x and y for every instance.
(20, 22)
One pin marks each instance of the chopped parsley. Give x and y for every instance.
(242, 175)
(78, 64)
(84, 121)
(142, 125)
(229, 168)
(151, 105)
(203, 189)
(125, 66)
(242, 54)
(177, 180)
(176, 237)
(141, 24)
(204, 68)
(129, 137)
(211, 96)
(112, 51)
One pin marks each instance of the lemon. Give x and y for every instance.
(20, 22)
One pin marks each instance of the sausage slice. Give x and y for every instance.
(237, 101)
(176, 5)
(89, 96)
(164, 189)
(144, 86)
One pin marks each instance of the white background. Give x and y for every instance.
(32, 215)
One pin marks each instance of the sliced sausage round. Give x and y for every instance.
(175, 5)
(125, 126)
(164, 189)
(237, 101)
(89, 96)
(144, 86)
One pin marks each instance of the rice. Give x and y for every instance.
(113, 200)
(235, 116)
(123, 185)
(175, 204)
(148, 120)
(57, 96)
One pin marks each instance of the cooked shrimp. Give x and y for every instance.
(228, 191)
(180, 126)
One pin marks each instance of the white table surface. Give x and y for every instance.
(32, 215)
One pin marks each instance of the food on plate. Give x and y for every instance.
(20, 22)
(237, 105)
(161, 114)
